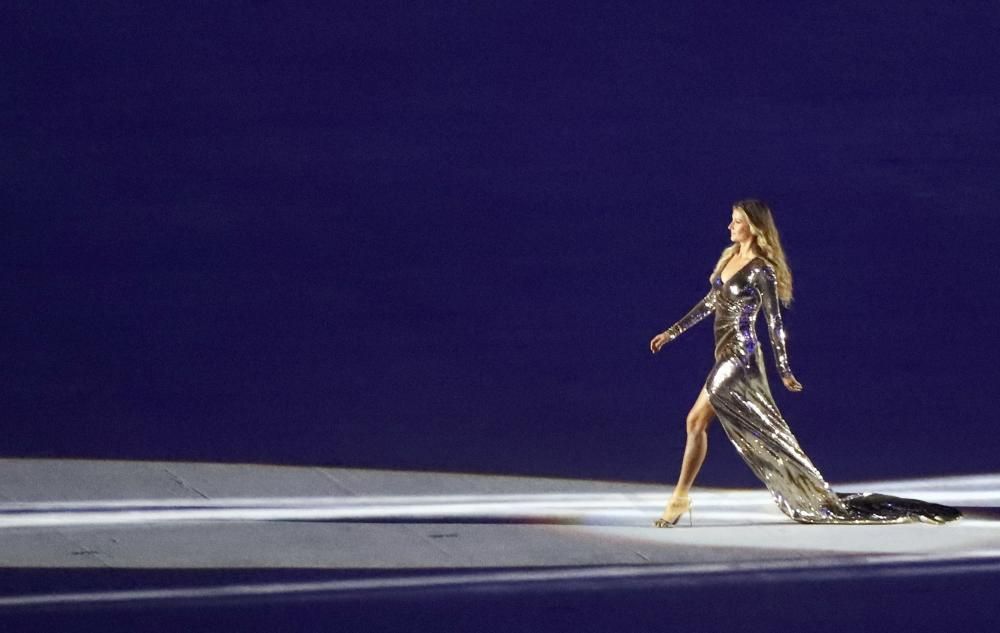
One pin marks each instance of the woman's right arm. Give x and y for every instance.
(701, 310)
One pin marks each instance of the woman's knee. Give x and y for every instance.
(698, 421)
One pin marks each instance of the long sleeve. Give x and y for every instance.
(768, 288)
(701, 310)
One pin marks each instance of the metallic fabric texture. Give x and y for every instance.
(739, 392)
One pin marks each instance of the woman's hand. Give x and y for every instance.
(791, 384)
(660, 340)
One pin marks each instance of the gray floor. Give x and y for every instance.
(267, 533)
(64, 513)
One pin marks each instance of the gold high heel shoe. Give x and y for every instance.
(676, 508)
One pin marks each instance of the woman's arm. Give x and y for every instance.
(768, 287)
(701, 310)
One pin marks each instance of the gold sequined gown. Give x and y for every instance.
(738, 391)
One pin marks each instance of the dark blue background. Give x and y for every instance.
(440, 235)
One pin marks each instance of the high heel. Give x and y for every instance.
(675, 510)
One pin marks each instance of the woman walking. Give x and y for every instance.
(752, 273)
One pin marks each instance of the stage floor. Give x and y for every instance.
(368, 531)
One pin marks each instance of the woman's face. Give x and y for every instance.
(739, 228)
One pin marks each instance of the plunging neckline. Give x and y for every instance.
(726, 281)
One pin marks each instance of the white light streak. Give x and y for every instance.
(699, 573)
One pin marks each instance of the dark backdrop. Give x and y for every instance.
(440, 235)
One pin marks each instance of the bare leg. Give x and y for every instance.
(696, 448)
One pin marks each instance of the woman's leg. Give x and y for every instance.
(698, 418)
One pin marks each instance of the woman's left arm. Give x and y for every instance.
(768, 286)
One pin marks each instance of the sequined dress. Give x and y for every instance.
(739, 392)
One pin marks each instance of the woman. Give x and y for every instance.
(753, 273)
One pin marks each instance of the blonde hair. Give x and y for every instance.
(766, 242)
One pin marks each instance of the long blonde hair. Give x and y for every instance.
(766, 242)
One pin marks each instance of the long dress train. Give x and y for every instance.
(739, 393)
